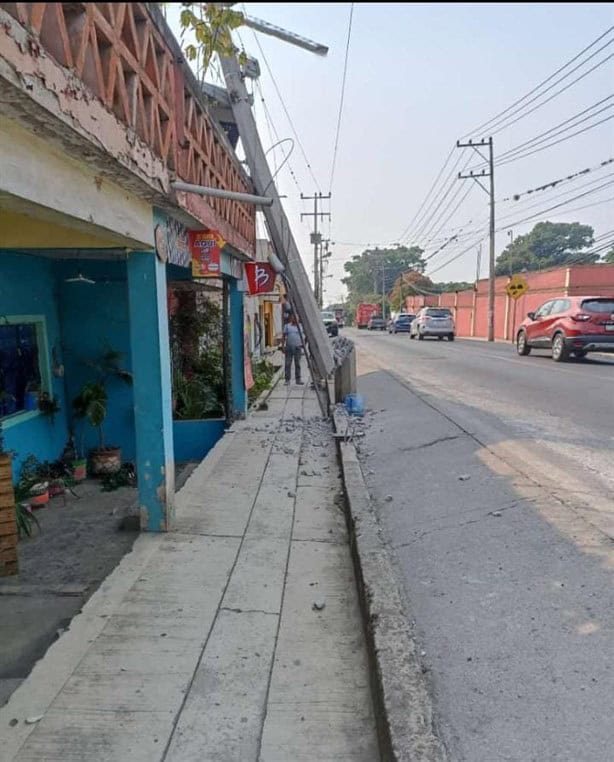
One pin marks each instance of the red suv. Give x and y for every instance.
(569, 325)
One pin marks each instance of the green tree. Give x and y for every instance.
(412, 283)
(375, 270)
(549, 244)
(451, 286)
(609, 257)
(212, 24)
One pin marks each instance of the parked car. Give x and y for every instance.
(330, 323)
(433, 321)
(401, 323)
(569, 325)
(376, 324)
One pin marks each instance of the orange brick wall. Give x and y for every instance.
(470, 308)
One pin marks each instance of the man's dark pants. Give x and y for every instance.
(293, 352)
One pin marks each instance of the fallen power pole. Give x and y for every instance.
(285, 246)
(491, 193)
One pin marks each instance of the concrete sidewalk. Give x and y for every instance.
(205, 644)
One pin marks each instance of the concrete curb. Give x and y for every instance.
(403, 706)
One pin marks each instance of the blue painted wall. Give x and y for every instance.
(91, 315)
(239, 395)
(194, 439)
(28, 287)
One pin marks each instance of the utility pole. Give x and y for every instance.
(324, 255)
(316, 240)
(383, 288)
(491, 193)
(510, 233)
(479, 264)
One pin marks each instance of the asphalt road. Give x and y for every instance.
(493, 476)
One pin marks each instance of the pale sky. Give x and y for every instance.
(420, 76)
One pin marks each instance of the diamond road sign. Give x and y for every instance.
(516, 287)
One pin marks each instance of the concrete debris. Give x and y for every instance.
(291, 494)
(34, 720)
(496, 513)
(464, 477)
(318, 605)
(389, 498)
(342, 346)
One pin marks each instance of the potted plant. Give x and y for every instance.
(8, 524)
(74, 462)
(39, 494)
(92, 404)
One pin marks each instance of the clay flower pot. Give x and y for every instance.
(105, 461)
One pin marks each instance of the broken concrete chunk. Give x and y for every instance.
(318, 605)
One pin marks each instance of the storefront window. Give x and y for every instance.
(20, 367)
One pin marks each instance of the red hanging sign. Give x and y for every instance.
(206, 250)
(260, 278)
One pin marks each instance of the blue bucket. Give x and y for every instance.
(355, 404)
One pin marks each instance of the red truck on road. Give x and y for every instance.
(364, 312)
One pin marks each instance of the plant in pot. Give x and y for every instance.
(33, 482)
(75, 464)
(92, 405)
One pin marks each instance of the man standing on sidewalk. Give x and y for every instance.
(292, 350)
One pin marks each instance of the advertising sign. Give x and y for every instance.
(260, 278)
(206, 250)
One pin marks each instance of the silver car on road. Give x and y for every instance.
(433, 321)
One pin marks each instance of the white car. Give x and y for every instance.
(433, 321)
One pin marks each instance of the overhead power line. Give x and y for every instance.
(271, 126)
(436, 202)
(345, 70)
(471, 247)
(489, 123)
(435, 181)
(287, 113)
(554, 183)
(558, 206)
(556, 142)
(558, 92)
(431, 232)
(552, 132)
(557, 196)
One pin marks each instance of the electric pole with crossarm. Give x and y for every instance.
(316, 240)
(491, 192)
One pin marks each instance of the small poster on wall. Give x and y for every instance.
(206, 250)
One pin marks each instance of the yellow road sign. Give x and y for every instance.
(516, 287)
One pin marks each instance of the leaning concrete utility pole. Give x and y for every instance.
(491, 193)
(286, 249)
